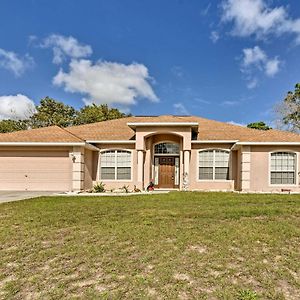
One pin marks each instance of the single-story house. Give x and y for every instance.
(175, 152)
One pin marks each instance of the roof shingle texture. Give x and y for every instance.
(207, 130)
(118, 129)
(52, 134)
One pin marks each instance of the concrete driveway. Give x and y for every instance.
(7, 196)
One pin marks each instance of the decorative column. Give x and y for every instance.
(77, 157)
(140, 168)
(245, 168)
(186, 169)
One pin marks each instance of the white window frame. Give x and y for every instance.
(215, 180)
(296, 169)
(115, 179)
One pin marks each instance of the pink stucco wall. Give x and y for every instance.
(196, 184)
(260, 172)
(113, 184)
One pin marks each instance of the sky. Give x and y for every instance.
(229, 60)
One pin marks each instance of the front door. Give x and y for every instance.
(166, 172)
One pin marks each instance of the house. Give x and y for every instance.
(180, 152)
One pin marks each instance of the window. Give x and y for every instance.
(214, 165)
(166, 148)
(283, 168)
(115, 165)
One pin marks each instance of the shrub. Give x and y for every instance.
(99, 187)
(125, 188)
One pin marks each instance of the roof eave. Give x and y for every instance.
(133, 125)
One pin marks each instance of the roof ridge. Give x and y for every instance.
(94, 123)
(72, 134)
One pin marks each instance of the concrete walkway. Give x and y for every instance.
(8, 196)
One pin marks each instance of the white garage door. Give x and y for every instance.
(35, 171)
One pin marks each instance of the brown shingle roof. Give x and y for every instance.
(119, 130)
(208, 130)
(50, 134)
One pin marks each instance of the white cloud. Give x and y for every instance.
(272, 67)
(107, 82)
(253, 56)
(255, 17)
(64, 46)
(256, 59)
(214, 36)
(236, 123)
(13, 62)
(180, 109)
(16, 107)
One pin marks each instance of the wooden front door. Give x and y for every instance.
(166, 172)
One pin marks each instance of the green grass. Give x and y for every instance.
(171, 246)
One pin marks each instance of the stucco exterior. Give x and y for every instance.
(70, 159)
(260, 169)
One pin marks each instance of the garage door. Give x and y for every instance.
(35, 170)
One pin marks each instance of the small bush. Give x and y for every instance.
(99, 187)
(247, 295)
(125, 188)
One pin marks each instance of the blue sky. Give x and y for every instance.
(230, 60)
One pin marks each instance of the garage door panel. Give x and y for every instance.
(35, 171)
(34, 154)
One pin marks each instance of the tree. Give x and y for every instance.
(97, 113)
(51, 112)
(259, 125)
(12, 125)
(289, 110)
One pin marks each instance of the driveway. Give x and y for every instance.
(7, 196)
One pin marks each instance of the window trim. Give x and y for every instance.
(115, 180)
(214, 180)
(296, 169)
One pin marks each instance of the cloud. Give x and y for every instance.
(200, 100)
(252, 83)
(14, 63)
(256, 18)
(272, 67)
(236, 123)
(214, 36)
(63, 46)
(16, 107)
(180, 109)
(256, 59)
(253, 56)
(230, 103)
(177, 71)
(204, 12)
(107, 82)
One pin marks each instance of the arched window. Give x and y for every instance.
(283, 168)
(166, 148)
(213, 164)
(115, 165)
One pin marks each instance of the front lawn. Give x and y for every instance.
(171, 246)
